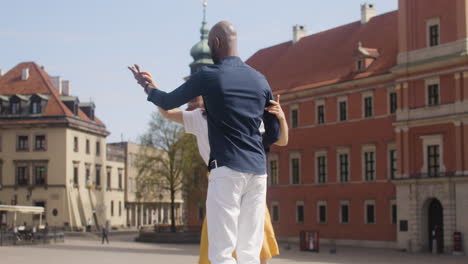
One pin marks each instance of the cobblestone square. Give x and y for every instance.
(122, 249)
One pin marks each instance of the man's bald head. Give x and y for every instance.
(222, 41)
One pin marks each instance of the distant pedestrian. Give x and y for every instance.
(105, 233)
(88, 225)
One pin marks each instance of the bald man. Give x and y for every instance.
(235, 97)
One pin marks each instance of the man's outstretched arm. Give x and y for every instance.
(187, 91)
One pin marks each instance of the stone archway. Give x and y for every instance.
(435, 224)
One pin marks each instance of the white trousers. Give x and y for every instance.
(235, 210)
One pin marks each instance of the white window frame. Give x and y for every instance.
(433, 140)
(364, 149)
(364, 95)
(321, 153)
(272, 156)
(318, 103)
(390, 147)
(291, 109)
(391, 90)
(273, 204)
(295, 155)
(432, 22)
(322, 203)
(427, 83)
(366, 203)
(300, 203)
(340, 100)
(344, 202)
(340, 151)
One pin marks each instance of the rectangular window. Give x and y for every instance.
(23, 143)
(300, 213)
(322, 214)
(295, 171)
(108, 179)
(120, 180)
(394, 214)
(75, 175)
(275, 213)
(40, 175)
(22, 177)
(343, 111)
(344, 167)
(434, 33)
(369, 162)
(98, 175)
(112, 208)
(368, 107)
(35, 107)
(87, 147)
(393, 102)
(433, 94)
(344, 212)
(120, 208)
(15, 108)
(88, 177)
(98, 148)
(40, 142)
(274, 172)
(433, 160)
(294, 118)
(321, 114)
(322, 169)
(393, 163)
(75, 144)
(370, 214)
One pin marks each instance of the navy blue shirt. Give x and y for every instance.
(235, 96)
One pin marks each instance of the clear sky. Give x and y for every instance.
(90, 42)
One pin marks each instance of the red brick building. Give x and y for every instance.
(378, 114)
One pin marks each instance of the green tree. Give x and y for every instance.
(165, 162)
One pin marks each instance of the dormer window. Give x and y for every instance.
(364, 57)
(36, 106)
(15, 106)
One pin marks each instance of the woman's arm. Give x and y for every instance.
(175, 115)
(276, 109)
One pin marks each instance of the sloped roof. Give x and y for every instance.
(38, 83)
(327, 57)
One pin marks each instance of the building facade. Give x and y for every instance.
(378, 150)
(53, 153)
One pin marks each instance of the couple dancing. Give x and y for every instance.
(237, 122)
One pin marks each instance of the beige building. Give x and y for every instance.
(53, 153)
(144, 206)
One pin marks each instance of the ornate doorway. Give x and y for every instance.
(436, 224)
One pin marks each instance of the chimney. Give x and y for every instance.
(25, 74)
(57, 83)
(368, 11)
(66, 88)
(299, 31)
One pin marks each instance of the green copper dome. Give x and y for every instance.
(201, 51)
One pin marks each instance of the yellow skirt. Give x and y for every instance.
(269, 247)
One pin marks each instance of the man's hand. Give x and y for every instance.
(143, 78)
(275, 108)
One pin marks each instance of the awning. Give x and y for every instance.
(22, 209)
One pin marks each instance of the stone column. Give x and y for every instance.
(465, 148)
(458, 148)
(448, 204)
(458, 88)
(399, 150)
(465, 85)
(406, 150)
(405, 98)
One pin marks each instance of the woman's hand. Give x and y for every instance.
(275, 109)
